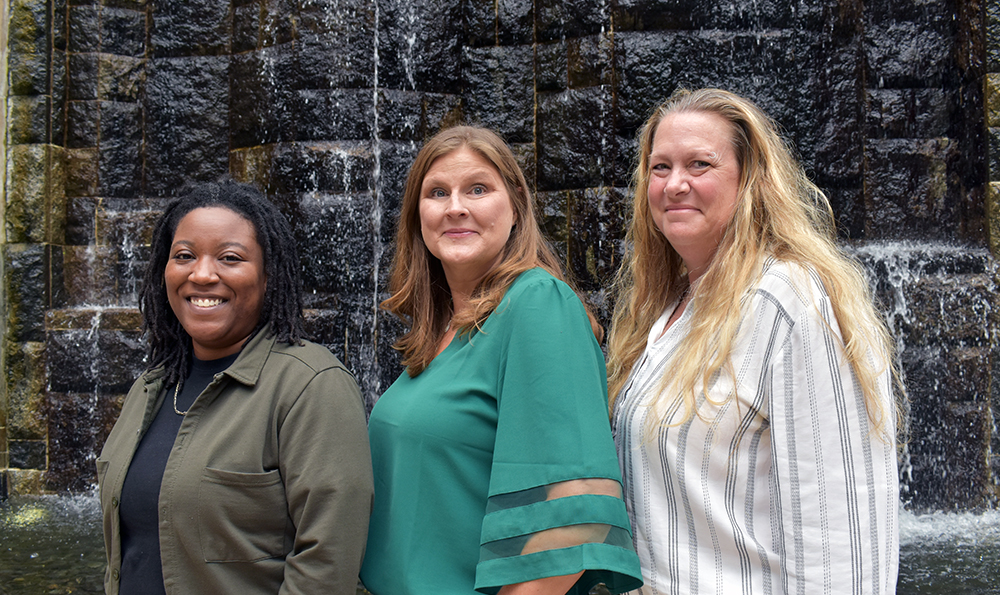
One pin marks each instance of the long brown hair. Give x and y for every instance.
(779, 213)
(420, 293)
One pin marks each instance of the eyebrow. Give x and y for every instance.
(698, 152)
(478, 172)
(224, 244)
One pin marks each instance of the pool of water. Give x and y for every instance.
(52, 545)
(949, 553)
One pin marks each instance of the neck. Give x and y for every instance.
(461, 289)
(696, 267)
(459, 300)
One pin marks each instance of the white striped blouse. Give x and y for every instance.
(786, 489)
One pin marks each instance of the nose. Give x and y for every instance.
(677, 182)
(204, 272)
(456, 206)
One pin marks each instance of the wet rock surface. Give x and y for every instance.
(323, 104)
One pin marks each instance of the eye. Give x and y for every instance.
(660, 168)
(182, 256)
(437, 193)
(232, 258)
(478, 190)
(701, 164)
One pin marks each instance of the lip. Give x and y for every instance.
(458, 232)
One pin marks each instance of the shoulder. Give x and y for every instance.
(148, 377)
(309, 373)
(142, 385)
(306, 356)
(538, 304)
(792, 286)
(538, 284)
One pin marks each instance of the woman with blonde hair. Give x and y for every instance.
(751, 376)
(495, 469)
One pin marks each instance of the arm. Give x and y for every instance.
(837, 490)
(571, 535)
(326, 468)
(561, 537)
(555, 511)
(553, 585)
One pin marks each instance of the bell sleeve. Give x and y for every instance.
(555, 505)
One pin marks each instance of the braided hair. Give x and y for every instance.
(169, 344)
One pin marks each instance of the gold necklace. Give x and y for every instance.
(177, 389)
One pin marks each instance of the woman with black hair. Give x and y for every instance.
(239, 463)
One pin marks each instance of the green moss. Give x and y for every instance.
(28, 66)
(28, 25)
(111, 319)
(591, 257)
(28, 119)
(993, 99)
(36, 198)
(120, 78)
(82, 171)
(993, 218)
(25, 377)
(252, 165)
(26, 482)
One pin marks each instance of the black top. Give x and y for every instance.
(141, 572)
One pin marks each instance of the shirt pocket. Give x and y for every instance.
(242, 517)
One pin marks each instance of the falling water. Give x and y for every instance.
(375, 387)
(936, 298)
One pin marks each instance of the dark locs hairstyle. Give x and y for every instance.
(169, 344)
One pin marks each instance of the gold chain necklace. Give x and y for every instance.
(177, 389)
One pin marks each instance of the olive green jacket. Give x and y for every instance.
(268, 488)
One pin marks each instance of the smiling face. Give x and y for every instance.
(693, 183)
(215, 280)
(466, 215)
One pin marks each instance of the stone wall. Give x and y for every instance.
(115, 104)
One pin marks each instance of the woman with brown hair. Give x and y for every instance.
(494, 465)
(750, 374)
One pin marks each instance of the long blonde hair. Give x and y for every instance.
(420, 293)
(779, 213)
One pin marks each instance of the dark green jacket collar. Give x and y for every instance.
(245, 370)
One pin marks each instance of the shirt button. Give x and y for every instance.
(114, 501)
(114, 574)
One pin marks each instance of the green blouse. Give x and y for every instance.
(466, 455)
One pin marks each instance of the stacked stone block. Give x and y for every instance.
(32, 220)
(117, 104)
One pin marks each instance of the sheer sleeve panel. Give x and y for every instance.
(562, 515)
(562, 528)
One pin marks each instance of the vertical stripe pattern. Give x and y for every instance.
(783, 489)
